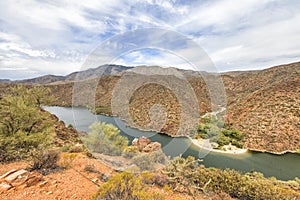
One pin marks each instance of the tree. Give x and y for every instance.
(25, 129)
(105, 138)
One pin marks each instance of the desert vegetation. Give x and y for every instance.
(105, 138)
(25, 132)
(129, 186)
(186, 175)
(215, 130)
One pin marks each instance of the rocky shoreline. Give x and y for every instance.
(210, 149)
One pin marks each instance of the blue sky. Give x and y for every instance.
(56, 37)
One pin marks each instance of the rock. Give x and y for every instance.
(135, 142)
(33, 179)
(95, 180)
(143, 142)
(43, 183)
(7, 173)
(19, 179)
(13, 176)
(5, 186)
(153, 146)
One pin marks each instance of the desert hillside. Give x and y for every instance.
(262, 104)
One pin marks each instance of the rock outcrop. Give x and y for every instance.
(18, 179)
(145, 145)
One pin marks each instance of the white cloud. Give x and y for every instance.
(57, 36)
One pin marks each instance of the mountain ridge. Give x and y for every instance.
(263, 104)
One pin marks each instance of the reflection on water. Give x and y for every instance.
(283, 167)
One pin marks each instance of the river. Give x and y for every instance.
(284, 167)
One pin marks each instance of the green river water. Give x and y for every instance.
(284, 167)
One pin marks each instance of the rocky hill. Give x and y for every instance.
(263, 104)
(41, 80)
(103, 70)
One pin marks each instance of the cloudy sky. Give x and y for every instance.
(56, 37)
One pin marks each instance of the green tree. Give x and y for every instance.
(216, 131)
(105, 138)
(25, 129)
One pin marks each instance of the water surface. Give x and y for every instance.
(282, 167)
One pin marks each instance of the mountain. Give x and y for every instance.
(4, 80)
(262, 104)
(42, 80)
(103, 70)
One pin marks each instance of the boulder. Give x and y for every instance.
(143, 142)
(153, 146)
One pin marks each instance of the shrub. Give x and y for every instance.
(148, 161)
(216, 131)
(67, 159)
(76, 148)
(130, 152)
(25, 130)
(65, 148)
(186, 176)
(143, 161)
(159, 157)
(160, 180)
(181, 173)
(223, 140)
(46, 162)
(105, 138)
(126, 186)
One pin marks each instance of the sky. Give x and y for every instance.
(57, 37)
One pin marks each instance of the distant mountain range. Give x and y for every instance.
(104, 70)
(263, 104)
(111, 70)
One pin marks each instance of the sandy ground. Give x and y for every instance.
(75, 182)
(229, 149)
(64, 184)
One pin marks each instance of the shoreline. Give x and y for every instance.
(202, 144)
(196, 142)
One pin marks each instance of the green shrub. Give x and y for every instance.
(181, 173)
(144, 162)
(216, 131)
(148, 161)
(185, 174)
(23, 146)
(126, 186)
(159, 157)
(105, 138)
(66, 148)
(223, 140)
(130, 151)
(25, 129)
